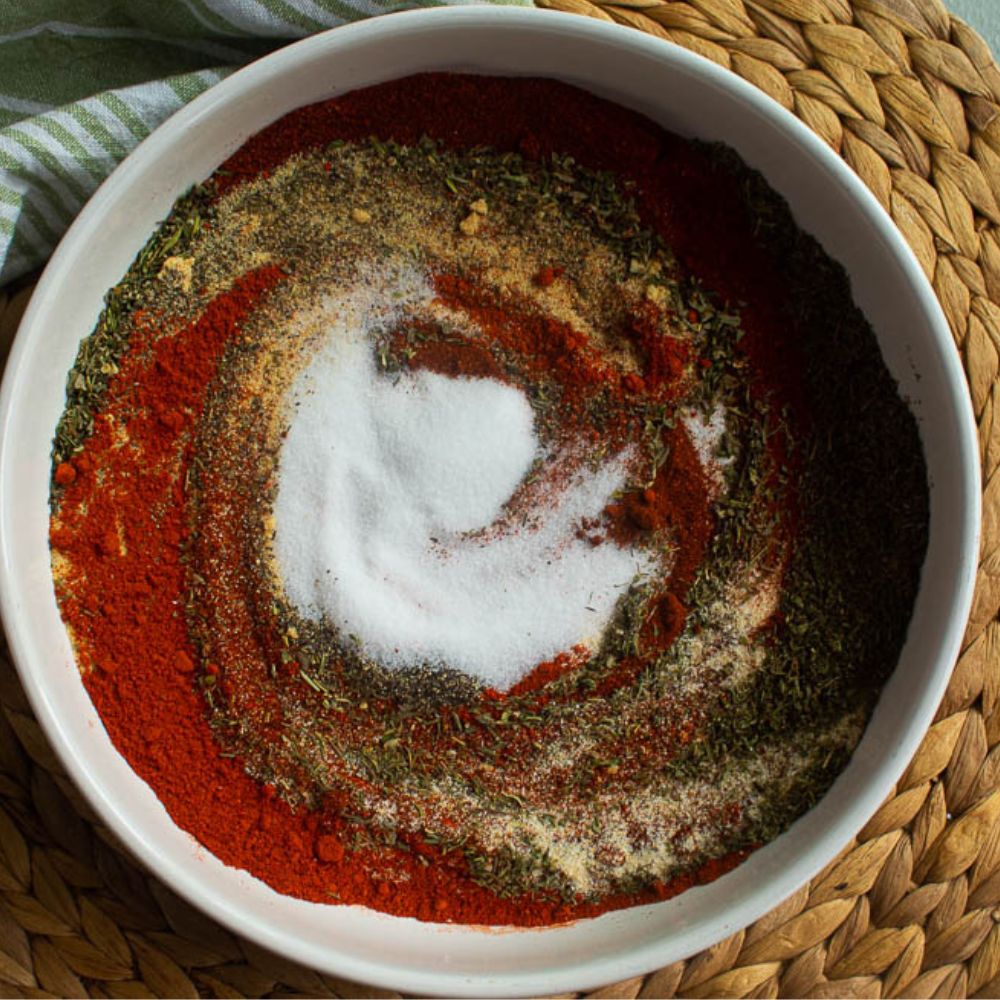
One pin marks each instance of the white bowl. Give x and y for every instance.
(683, 92)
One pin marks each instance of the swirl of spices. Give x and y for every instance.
(696, 723)
(349, 362)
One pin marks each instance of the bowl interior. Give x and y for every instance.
(684, 93)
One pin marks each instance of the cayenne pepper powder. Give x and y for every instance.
(120, 540)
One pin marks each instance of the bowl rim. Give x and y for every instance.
(602, 968)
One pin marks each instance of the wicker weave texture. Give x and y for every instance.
(910, 97)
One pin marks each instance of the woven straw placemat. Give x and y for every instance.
(910, 97)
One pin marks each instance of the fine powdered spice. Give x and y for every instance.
(479, 504)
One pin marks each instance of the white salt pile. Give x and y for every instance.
(382, 480)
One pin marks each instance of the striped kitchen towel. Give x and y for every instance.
(83, 81)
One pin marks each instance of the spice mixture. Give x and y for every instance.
(482, 505)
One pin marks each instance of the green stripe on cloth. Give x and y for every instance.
(23, 246)
(17, 175)
(208, 18)
(56, 166)
(291, 15)
(95, 127)
(73, 146)
(45, 233)
(126, 115)
(187, 88)
(341, 10)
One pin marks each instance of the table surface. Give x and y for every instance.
(912, 908)
(983, 15)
